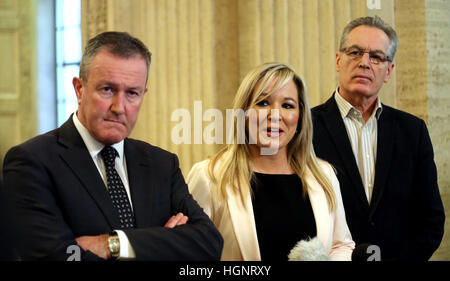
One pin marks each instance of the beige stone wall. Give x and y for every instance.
(438, 101)
(17, 73)
(411, 58)
(304, 34)
(203, 48)
(423, 82)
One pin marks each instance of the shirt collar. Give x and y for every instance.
(94, 147)
(346, 108)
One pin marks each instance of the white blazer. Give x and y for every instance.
(237, 224)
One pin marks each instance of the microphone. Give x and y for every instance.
(366, 252)
(308, 250)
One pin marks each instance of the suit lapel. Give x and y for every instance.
(321, 215)
(244, 223)
(244, 226)
(336, 127)
(141, 180)
(385, 145)
(77, 157)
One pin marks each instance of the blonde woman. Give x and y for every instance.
(269, 191)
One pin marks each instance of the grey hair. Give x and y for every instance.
(377, 22)
(120, 44)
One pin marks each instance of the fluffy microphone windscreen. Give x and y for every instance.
(308, 250)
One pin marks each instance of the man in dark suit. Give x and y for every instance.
(87, 191)
(383, 156)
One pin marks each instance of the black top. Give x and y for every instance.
(282, 216)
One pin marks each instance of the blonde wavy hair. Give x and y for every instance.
(230, 167)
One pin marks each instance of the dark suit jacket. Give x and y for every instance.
(405, 217)
(6, 232)
(60, 195)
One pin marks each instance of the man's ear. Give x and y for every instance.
(79, 87)
(389, 72)
(338, 60)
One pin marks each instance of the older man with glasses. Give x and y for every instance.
(383, 156)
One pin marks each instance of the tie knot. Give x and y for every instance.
(109, 155)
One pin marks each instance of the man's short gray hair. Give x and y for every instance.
(377, 22)
(120, 44)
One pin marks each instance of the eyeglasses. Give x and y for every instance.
(356, 53)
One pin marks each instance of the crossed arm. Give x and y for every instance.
(99, 244)
(49, 213)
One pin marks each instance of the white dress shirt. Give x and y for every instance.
(94, 147)
(363, 138)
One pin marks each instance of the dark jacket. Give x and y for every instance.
(405, 217)
(59, 195)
